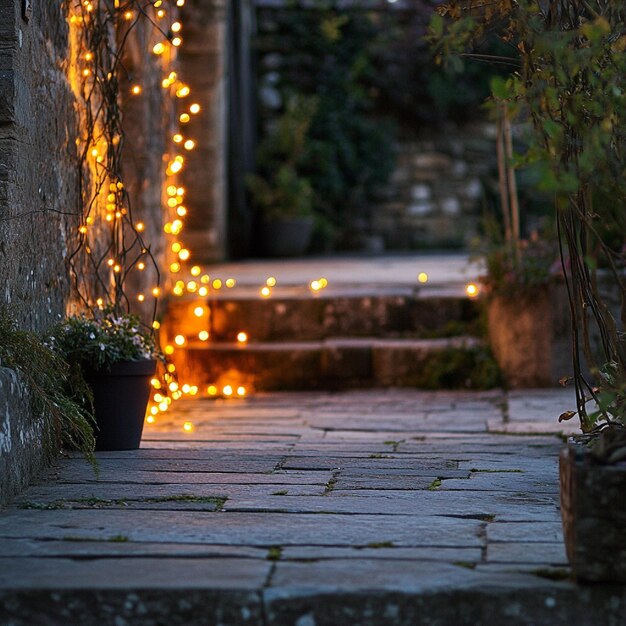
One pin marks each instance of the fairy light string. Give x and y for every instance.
(113, 263)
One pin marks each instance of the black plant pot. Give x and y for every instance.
(120, 398)
(287, 236)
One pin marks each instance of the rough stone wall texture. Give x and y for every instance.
(435, 195)
(21, 436)
(38, 185)
(40, 200)
(203, 66)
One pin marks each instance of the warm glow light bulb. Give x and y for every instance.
(203, 335)
(176, 27)
(242, 337)
(241, 391)
(196, 270)
(271, 281)
(265, 292)
(198, 311)
(472, 290)
(136, 90)
(158, 48)
(227, 390)
(422, 277)
(194, 108)
(184, 118)
(179, 340)
(184, 254)
(188, 427)
(212, 390)
(169, 350)
(230, 282)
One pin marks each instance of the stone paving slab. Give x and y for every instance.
(361, 508)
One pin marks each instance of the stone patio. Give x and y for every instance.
(370, 507)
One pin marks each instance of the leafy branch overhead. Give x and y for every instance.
(568, 89)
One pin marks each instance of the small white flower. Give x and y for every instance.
(92, 336)
(102, 347)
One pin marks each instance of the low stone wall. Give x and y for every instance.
(22, 450)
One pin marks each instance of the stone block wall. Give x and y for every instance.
(39, 204)
(40, 201)
(202, 61)
(39, 196)
(436, 193)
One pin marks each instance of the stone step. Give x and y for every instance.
(337, 363)
(313, 317)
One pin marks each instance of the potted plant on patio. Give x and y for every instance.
(520, 285)
(569, 85)
(117, 358)
(281, 195)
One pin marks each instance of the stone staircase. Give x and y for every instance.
(341, 338)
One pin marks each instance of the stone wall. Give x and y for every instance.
(202, 62)
(38, 183)
(40, 202)
(436, 193)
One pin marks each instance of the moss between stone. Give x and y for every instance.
(218, 501)
(274, 553)
(559, 573)
(434, 485)
(465, 564)
(113, 539)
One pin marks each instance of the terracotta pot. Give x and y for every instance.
(120, 399)
(521, 337)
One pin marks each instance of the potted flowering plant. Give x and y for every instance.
(117, 357)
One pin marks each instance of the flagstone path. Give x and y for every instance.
(314, 509)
